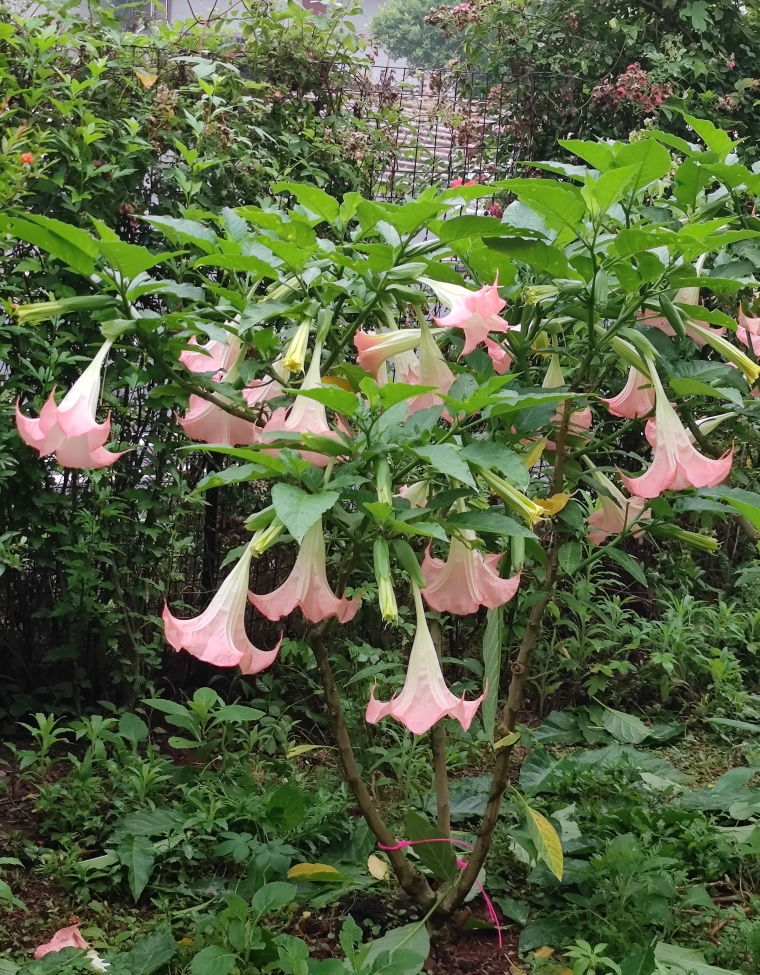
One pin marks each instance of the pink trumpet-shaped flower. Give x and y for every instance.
(635, 399)
(70, 430)
(63, 938)
(706, 425)
(434, 371)
(580, 420)
(425, 698)
(751, 325)
(475, 312)
(677, 464)
(374, 348)
(218, 635)
(466, 581)
(499, 357)
(616, 513)
(305, 416)
(215, 357)
(406, 368)
(307, 587)
(209, 423)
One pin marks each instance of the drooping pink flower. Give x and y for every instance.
(373, 348)
(218, 635)
(434, 371)
(209, 423)
(635, 399)
(216, 356)
(751, 325)
(70, 430)
(706, 425)
(425, 698)
(307, 587)
(406, 368)
(475, 312)
(580, 419)
(466, 581)
(305, 416)
(500, 358)
(416, 494)
(63, 938)
(616, 513)
(676, 464)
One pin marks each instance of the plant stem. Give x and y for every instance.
(410, 879)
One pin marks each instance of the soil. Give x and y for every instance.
(460, 950)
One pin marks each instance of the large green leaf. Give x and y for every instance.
(184, 231)
(651, 159)
(71, 246)
(497, 457)
(297, 510)
(438, 857)
(641, 962)
(493, 521)
(340, 400)
(624, 727)
(147, 955)
(675, 960)
(629, 563)
(536, 254)
(313, 198)
(411, 938)
(560, 205)
(213, 960)
(716, 139)
(597, 153)
(138, 855)
(272, 897)
(448, 460)
(546, 840)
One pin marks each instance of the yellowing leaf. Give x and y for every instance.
(310, 871)
(506, 742)
(186, 941)
(377, 868)
(534, 456)
(337, 381)
(544, 835)
(302, 750)
(147, 79)
(544, 952)
(553, 504)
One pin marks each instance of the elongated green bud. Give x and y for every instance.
(517, 552)
(704, 543)
(673, 316)
(383, 480)
(405, 554)
(386, 595)
(260, 519)
(514, 499)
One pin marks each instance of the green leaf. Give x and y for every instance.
(546, 840)
(334, 397)
(641, 962)
(238, 712)
(497, 457)
(286, 808)
(148, 954)
(685, 961)
(751, 727)
(427, 529)
(492, 640)
(611, 187)
(560, 205)
(272, 897)
(213, 960)
(538, 772)
(411, 938)
(312, 198)
(234, 474)
(627, 562)
(570, 556)
(130, 259)
(448, 460)
(536, 254)
(439, 858)
(490, 522)
(624, 727)
(651, 159)
(132, 728)
(298, 510)
(184, 231)
(598, 154)
(70, 245)
(246, 263)
(714, 138)
(394, 393)
(545, 932)
(257, 312)
(138, 855)
(455, 228)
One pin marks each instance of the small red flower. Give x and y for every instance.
(495, 210)
(27, 159)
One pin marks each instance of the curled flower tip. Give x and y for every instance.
(416, 494)
(70, 430)
(307, 587)
(475, 312)
(676, 464)
(466, 581)
(615, 514)
(500, 358)
(295, 357)
(425, 697)
(373, 348)
(218, 635)
(434, 371)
